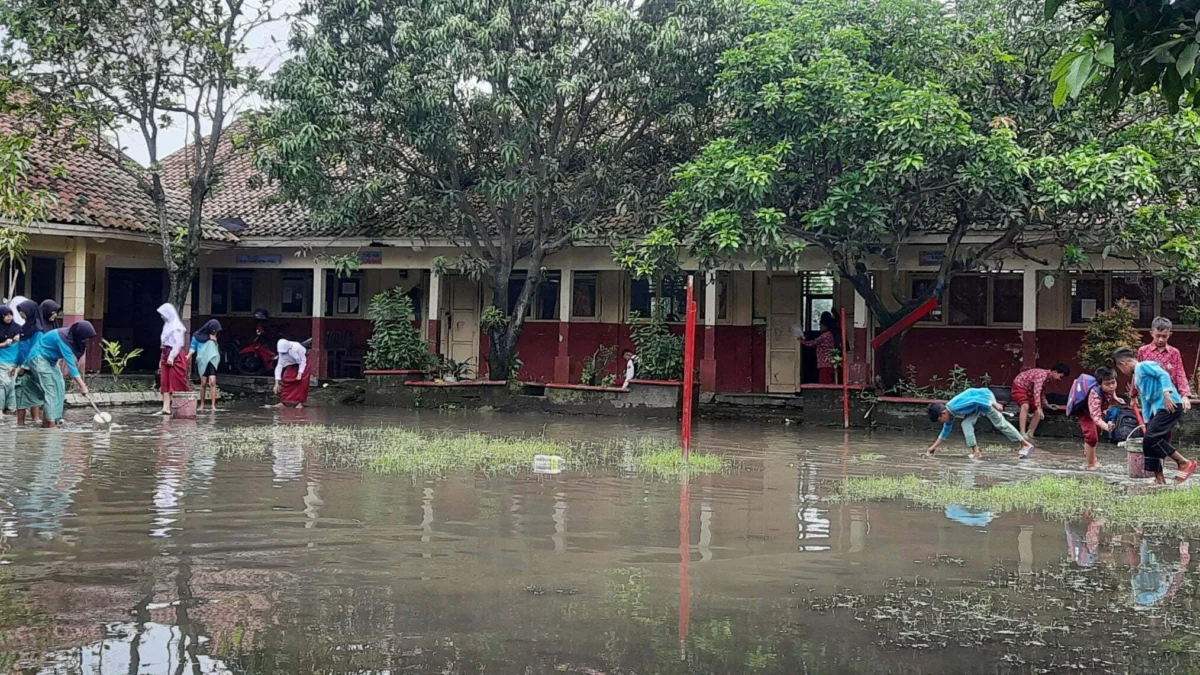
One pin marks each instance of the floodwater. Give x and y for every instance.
(135, 551)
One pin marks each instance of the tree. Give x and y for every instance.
(505, 128)
(855, 129)
(1109, 331)
(1133, 48)
(19, 206)
(103, 67)
(396, 342)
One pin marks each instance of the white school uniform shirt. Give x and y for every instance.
(174, 333)
(630, 370)
(290, 354)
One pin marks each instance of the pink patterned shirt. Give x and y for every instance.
(1033, 381)
(1172, 362)
(1096, 406)
(824, 346)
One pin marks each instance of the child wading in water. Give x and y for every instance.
(1089, 398)
(207, 355)
(1029, 392)
(1161, 408)
(10, 345)
(968, 406)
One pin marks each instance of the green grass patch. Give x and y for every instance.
(400, 450)
(1175, 511)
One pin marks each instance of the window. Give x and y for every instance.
(343, 295)
(544, 304)
(293, 288)
(1138, 291)
(1088, 296)
(232, 292)
(1008, 298)
(922, 286)
(583, 295)
(1169, 304)
(968, 301)
(668, 295)
(723, 283)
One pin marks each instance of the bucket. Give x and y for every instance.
(183, 405)
(1135, 458)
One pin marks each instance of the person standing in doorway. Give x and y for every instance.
(10, 346)
(291, 374)
(207, 355)
(826, 343)
(173, 365)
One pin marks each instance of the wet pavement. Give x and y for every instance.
(135, 550)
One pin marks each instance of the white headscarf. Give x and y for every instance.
(16, 314)
(171, 323)
(294, 350)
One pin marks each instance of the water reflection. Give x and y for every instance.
(285, 565)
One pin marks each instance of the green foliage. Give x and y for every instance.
(659, 351)
(343, 264)
(395, 342)
(18, 204)
(938, 388)
(492, 318)
(1132, 48)
(1108, 331)
(857, 127)
(115, 358)
(509, 130)
(596, 364)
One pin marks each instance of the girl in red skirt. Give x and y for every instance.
(291, 374)
(173, 368)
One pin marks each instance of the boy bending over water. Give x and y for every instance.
(968, 406)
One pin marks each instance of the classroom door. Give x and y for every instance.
(783, 357)
(132, 313)
(463, 321)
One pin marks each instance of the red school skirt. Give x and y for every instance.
(294, 386)
(174, 378)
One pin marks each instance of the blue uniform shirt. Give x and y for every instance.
(25, 348)
(1153, 383)
(970, 402)
(52, 348)
(10, 354)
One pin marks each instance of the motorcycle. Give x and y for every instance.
(257, 357)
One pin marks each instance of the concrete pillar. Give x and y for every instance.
(433, 311)
(75, 281)
(708, 363)
(859, 371)
(318, 367)
(1029, 320)
(562, 361)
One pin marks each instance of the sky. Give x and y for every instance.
(267, 49)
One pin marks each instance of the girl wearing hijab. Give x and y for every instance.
(173, 368)
(62, 344)
(291, 374)
(39, 320)
(207, 355)
(10, 346)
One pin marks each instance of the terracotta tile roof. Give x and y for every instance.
(243, 191)
(92, 190)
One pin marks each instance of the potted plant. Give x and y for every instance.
(596, 364)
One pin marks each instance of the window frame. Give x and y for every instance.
(536, 300)
(944, 300)
(306, 301)
(230, 273)
(656, 292)
(334, 285)
(596, 307)
(1107, 278)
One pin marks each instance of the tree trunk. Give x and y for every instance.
(891, 361)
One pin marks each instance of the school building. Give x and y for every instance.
(98, 253)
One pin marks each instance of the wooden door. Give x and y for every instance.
(783, 349)
(463, 321)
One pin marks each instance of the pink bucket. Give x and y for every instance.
(1137, 461)
(183, 405)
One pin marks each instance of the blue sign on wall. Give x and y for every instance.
(259, 259)
(370, 257)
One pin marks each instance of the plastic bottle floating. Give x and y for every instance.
(549, 464)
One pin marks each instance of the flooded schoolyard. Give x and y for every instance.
(139, 550)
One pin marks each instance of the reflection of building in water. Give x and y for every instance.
(156, 648)
(560, 522)
(705, 543)
(312, 504)
(168, 491)
(287, 462)
(813, 523)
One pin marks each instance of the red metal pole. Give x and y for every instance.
(689, 363)
(845, 376)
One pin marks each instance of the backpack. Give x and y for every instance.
(1125, 426)
(1080, 389)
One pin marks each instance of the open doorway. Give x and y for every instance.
(818, 291)
(131, 313)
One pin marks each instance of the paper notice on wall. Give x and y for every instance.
(1087, 309)
(343, 305)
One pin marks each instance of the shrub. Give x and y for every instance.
(659, 351)
(396, 343)
(1109, 331)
